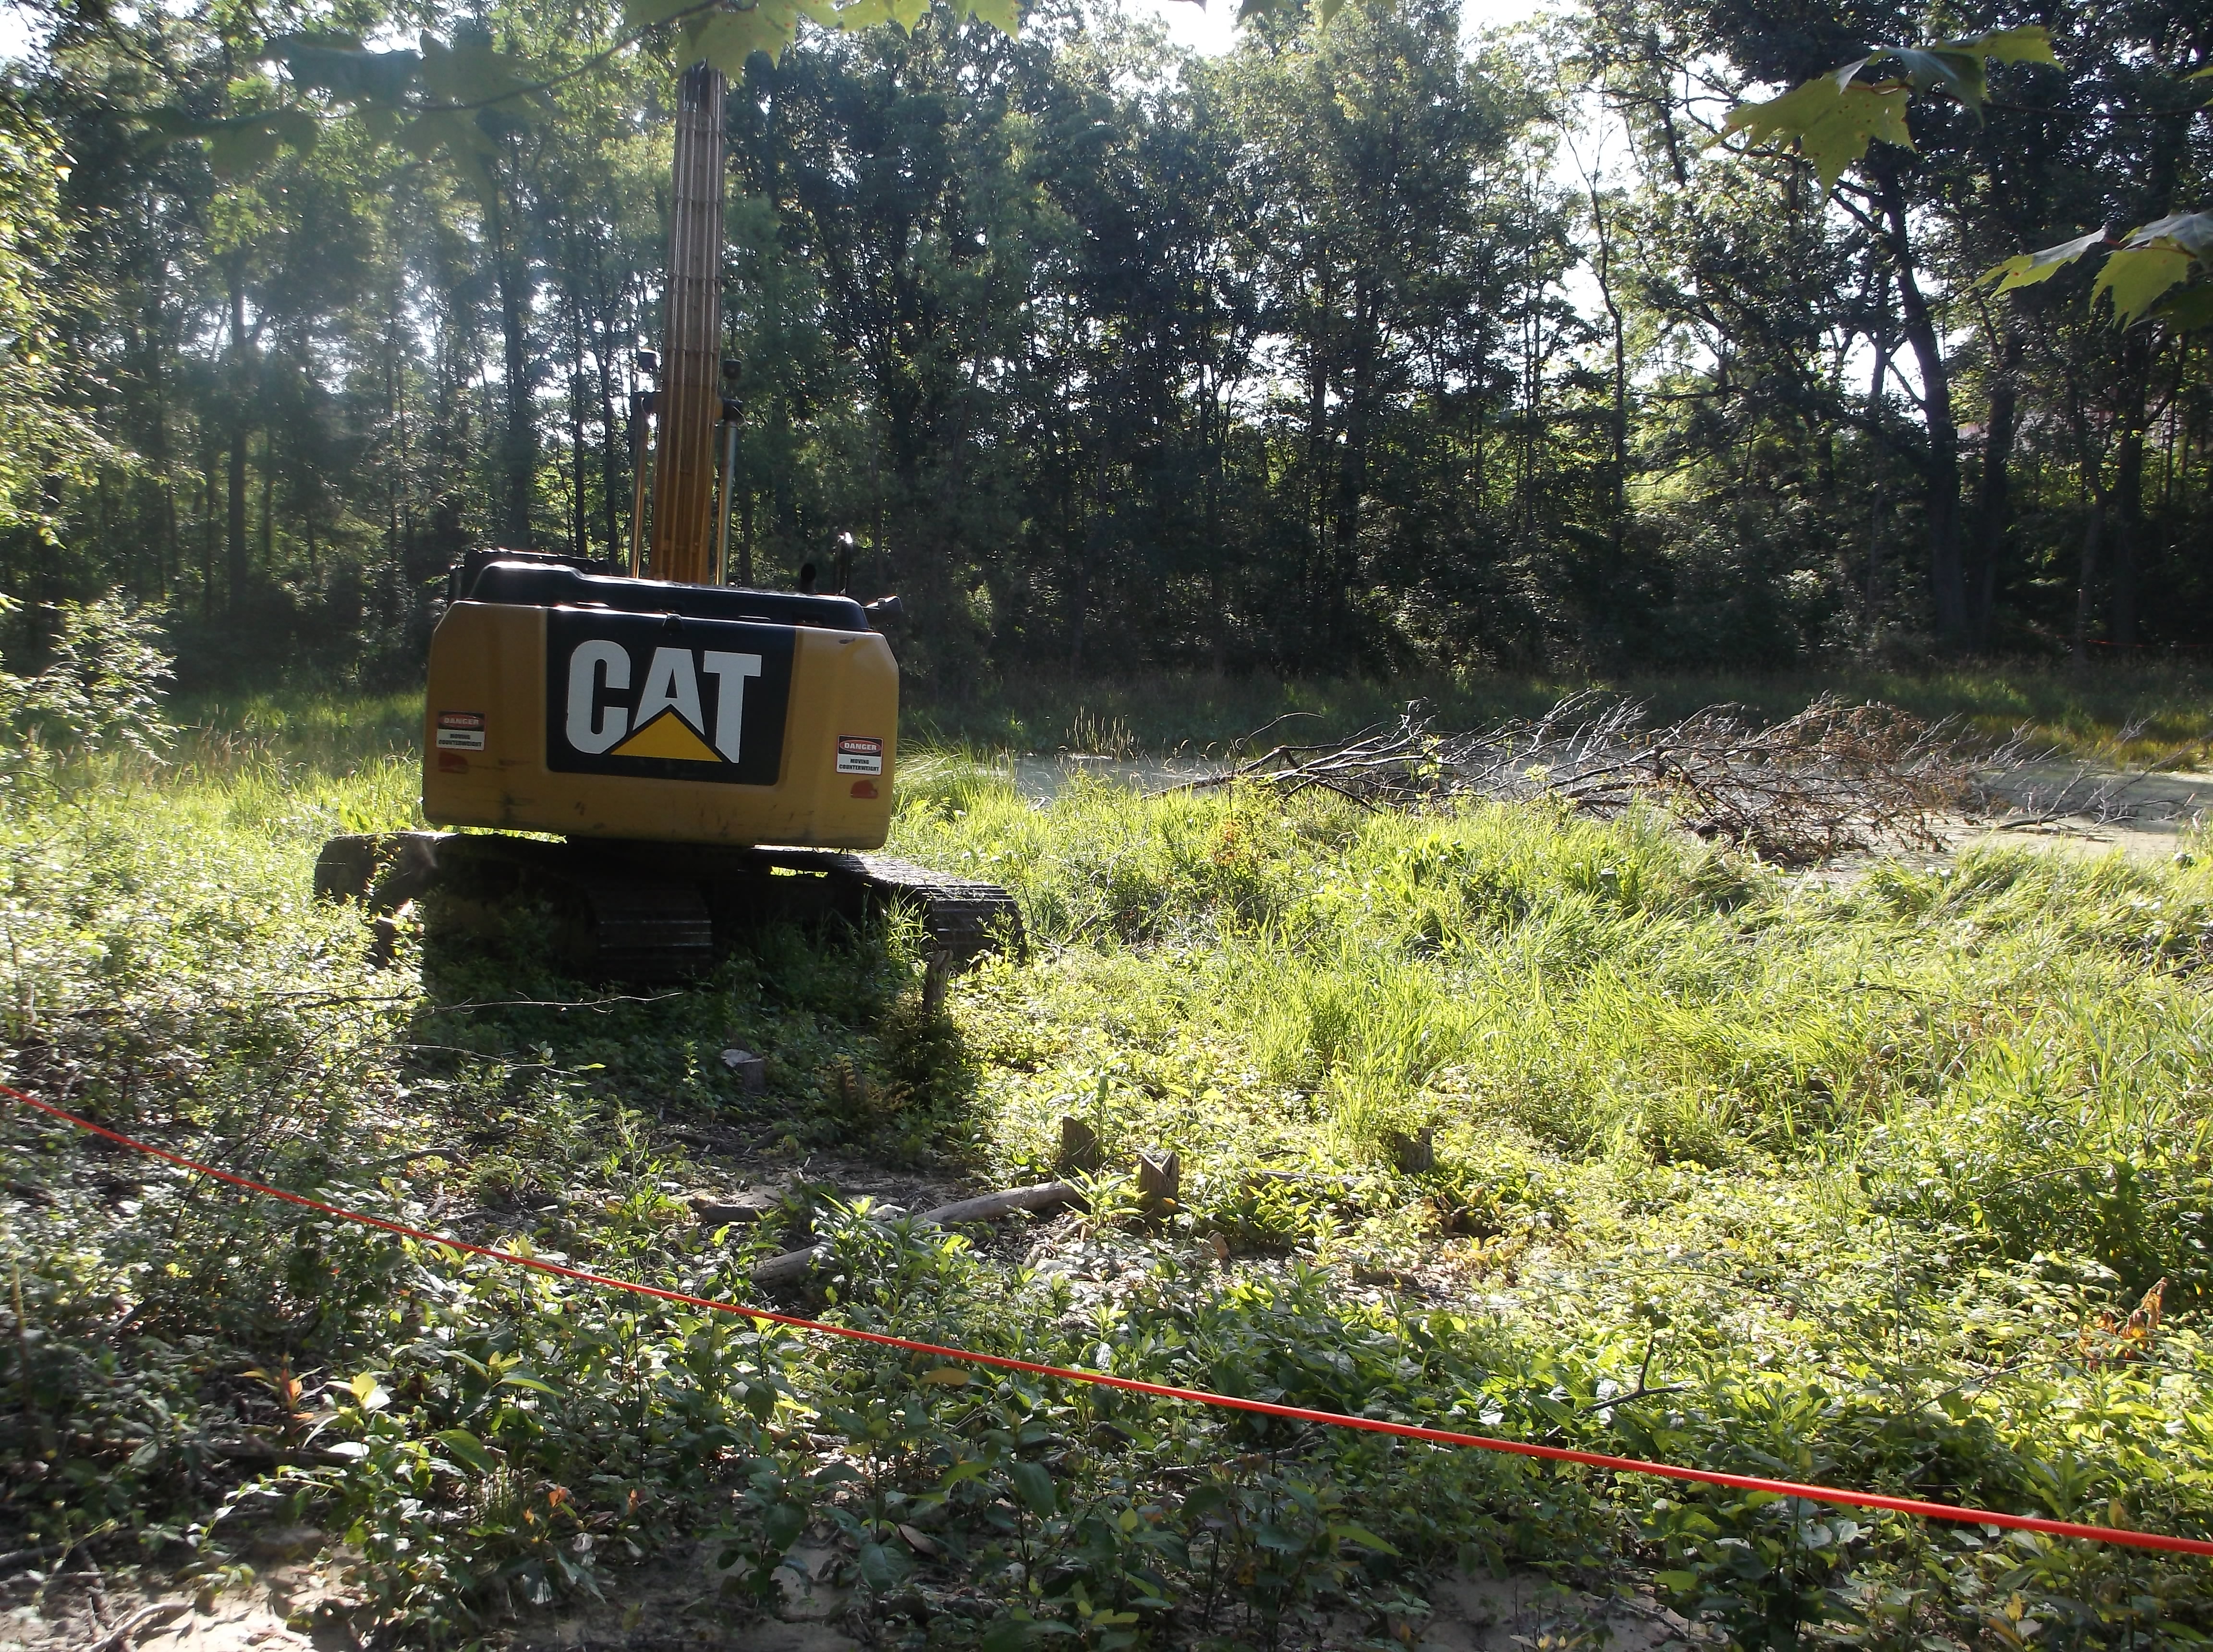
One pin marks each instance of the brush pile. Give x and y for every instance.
(1829, 780)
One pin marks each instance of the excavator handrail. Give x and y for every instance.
(542, 584)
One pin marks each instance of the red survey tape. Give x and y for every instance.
(1828, 1494)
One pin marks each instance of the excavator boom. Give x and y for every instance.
(690, 402)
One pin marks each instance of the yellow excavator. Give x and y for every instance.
(689, 756)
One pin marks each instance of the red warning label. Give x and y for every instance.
(461, 731)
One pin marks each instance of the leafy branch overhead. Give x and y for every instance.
(1834, 117)
(2148, 276)
(726, 36)
(460, 96)
(455, 96)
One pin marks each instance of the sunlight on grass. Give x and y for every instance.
(1860, 1178)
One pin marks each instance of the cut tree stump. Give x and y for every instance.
(1415, 1154)
(1079, 1149)
(751, 1069)
(936, 972)
(1160, 1180)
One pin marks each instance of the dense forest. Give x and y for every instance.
(1361, 346)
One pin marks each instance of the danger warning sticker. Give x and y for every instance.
(461, 731)
(860, 754)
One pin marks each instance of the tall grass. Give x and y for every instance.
(1614, 991)
(1856, 1180)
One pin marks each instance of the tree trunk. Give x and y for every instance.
(1617, 504)
(2085, 591)
(1940, 460)
(235, 517)
(579, 522)
(2128, 489)
(1352, 477)
(207, 535)
(268, 499)
(1994, 508)
(1093, 535)
(614, 478)
(519, 440)
(1871, 604)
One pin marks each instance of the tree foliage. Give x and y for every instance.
(1352, 348)
(1833, 117)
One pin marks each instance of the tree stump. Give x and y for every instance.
(1160, 1180)
(1079, 1149)
(936, 971)
(1415, 1155)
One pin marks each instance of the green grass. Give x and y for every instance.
(1858, 1183)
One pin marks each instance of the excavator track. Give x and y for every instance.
(638, 911)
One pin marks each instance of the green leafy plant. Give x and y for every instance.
(1832, 118)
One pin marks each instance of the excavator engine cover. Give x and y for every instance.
(566, 701)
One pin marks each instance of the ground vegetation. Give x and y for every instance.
(1896, 1180)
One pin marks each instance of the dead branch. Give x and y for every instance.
(1834, 778)
(144, 1617)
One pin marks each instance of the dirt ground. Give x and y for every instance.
(2080, 809)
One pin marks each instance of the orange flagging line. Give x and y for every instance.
(1828, 1494)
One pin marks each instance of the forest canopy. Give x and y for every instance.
(1365, 345)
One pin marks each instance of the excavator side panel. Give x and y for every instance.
(792, 730)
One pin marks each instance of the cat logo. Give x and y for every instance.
(639, 694)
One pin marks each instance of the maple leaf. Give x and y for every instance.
(2190, 308)
(726, 39)
(2190, 231)
(2027, 269)
(641, 14)
(338, 65)
(1005, 16)
(2136, 276)
(472, 75)
(1957, 66)
(1832, 118)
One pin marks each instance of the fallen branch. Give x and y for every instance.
(988, 1207)
(144, 1617)
(1835, 777)
(251, 1449)
(32, 1557)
